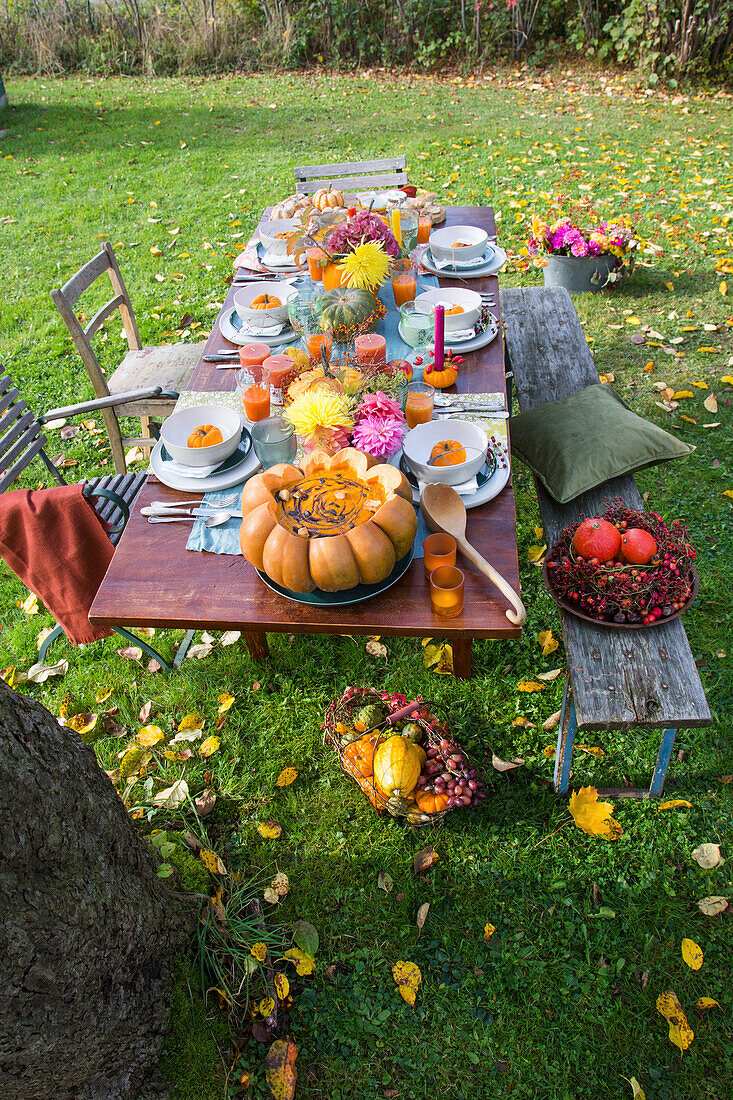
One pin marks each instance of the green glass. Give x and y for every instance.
(417, 328)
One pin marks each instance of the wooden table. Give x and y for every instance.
(153, 580)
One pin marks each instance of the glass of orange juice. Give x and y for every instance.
(419, 404)
(255, 398)
(424, 225)
(404, 281)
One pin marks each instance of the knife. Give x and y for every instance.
(393, 718)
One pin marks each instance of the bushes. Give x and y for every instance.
(662, 38)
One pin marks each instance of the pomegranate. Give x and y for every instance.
(639, 547)
(597, 538)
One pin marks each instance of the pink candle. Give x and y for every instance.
(274, 371)
(371, 348)
(252, 356)
(439, 337)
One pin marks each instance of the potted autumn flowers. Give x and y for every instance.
(582, 258)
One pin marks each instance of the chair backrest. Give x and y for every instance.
(21, 435)
(358, 175)
(105, 262)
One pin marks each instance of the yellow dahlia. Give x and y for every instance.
(319, 409)
(367, 266)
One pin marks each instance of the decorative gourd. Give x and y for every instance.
(265, 301)
(335, 522)
(397, 766)
(400, 807)
(347, 308)
(361, 753)
(440, 378)
(430, 802)
(413, 733)
(312, 380)
(448, 452)
(327, 198)
(205, 435)
(366, 783)
(368, 717)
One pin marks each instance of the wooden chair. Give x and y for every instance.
(359, 175)
(22, 439)
(167, 367)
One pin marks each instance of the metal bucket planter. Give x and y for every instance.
(585, 274)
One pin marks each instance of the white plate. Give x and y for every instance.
(231, 331)
(491, 267)
(225, 480)
(487, 492)
(473, 344)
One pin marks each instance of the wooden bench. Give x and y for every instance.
(617, 679)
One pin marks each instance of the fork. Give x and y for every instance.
(232, 498)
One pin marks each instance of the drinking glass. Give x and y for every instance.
(417, 327)
(408, 228)
(419, 404)
(446, 591)
(274, 440)
(404, 281)
(438, 549)
(424, 225)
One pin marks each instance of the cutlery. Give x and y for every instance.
(230, 360)
(214, 520)
(232, 498)
(193, 513)
(494, 414)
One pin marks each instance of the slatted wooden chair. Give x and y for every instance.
(167, 367)
(358, 175)
(22, 439)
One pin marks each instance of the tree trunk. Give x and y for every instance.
(87, 930)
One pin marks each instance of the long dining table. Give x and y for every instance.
(153, 580)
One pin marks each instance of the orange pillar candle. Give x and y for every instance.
(371, 348)
(252, 356)
(275, 370)
(256, 403)
(446, 591)
(397, 226)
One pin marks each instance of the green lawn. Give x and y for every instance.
(560, 1005)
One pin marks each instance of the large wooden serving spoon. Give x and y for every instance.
(444, 510)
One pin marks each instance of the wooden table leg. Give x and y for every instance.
(257, 645)
(462, 655)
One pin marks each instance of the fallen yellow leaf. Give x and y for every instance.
(259, 950)
(530, 685)
(209, 746)
(266, 1006)
(82, 723)
(592, 750)
(535, 554)
(707, 1002)
(149, 736)
(286, 777)
(408, 978)
(282, 986)
(280, 1069)
(711, 403)
(270, 830)
(191, 722)
(682, 393)
(680, 1032)
(225, 702)
(674, 804)
(692, 954)
(304, 964)
(488, 932)
(439, 657)
(548, 643)
(592, 816)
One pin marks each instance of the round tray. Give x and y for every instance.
(567, 606)
(342, 599)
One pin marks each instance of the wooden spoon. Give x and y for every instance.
(444, 510)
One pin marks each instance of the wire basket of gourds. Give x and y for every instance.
(401, 756)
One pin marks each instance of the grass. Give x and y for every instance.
(560, 1005)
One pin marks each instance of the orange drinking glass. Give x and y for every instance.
(404, 281)
(419, 404)
(438, 549)
(314, 341)
(446, 591)
(315, 257)
(424, 225)
(256, 403)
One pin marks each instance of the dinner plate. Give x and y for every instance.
(491, 480)
(220, 479)
(230, 324)
(492, 266)
(342, 599)
(473, 344)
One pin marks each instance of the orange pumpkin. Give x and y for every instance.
(205, 435)
(366, 783)
(449, 452)
(453, 311)
(440, 378)
(265, 301)
(430, 802)
(361, 754)
(335, 522)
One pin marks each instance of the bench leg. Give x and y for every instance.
(660, 772)
(183, 648)
(257, 645)
(565, 738)
(462, 657)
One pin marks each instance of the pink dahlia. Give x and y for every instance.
(362, 227)
(379, 405)
(329, 440)
(378, 436)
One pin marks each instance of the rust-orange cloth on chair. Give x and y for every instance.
(55, 543)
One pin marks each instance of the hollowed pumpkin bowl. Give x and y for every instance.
(176, 430)
(331, 524)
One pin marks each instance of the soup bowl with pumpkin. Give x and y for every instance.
(202, 436)
(266, 304)
(462, 307)
(446, 451)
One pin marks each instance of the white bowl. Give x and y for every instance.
(469, 300)
(269, 230)
(379, 200)
(419, 443)
(262, 318)
(177, 428)
(443, 241)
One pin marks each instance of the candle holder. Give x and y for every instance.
(438, 550)
(446, 591)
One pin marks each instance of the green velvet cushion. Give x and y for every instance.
(576, 444)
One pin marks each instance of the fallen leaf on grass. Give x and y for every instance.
(212, 862)
(259, 951)
(500, 765)
(376, 649)
(149, 736)
(692, 954)
(270, 830)
(707, 855)
(707, 1002)
(547, 642)
(408, 978)
(304, 964)
(145, 710)
(178, 754)
(592, 816)
(424, 860)
(281, 884)
(530, 685)
(29, 604)
(552, 721)
(637, 1090)
(191, 722)
(524, 723)
(203, 649)
(422, 916)
(39, 673)
(205, 802)
(82, 723)
(229, 637)
(225, 702)
(438, 656)
(535, 554)
(131, 653)
(549, 752)
(209, 746)
(552, 674)
(306, 937)
(489, 930)
(188, 735)
(133, 759)
(385, 882)
(680, 1032)
(592, 750)
(282, 986)
(712, 906)
(286, 777)
(270, 896)
(280, 1069)
(170, 797)
(266, 1006)
(674, 804)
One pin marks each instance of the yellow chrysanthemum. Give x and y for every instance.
(317, 409)
(367, 266)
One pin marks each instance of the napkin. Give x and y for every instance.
(465, 489)
(272, 258)
(181, 470)
(247, 329)
(477, 261)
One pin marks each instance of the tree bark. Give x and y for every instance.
(87, 930)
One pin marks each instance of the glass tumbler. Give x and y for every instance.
(446, 591)
(274, 441)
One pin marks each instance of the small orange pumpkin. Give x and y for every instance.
(361, 754)
(265, 301)
(449, 452)
(430, 802)
(454, 310)
(205, 435)
(440, 378)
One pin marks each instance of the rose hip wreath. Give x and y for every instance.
(624, 567)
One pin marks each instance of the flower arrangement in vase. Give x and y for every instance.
(582, 256)
(357, 252)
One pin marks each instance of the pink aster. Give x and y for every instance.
(379, 405)
(378, 436)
